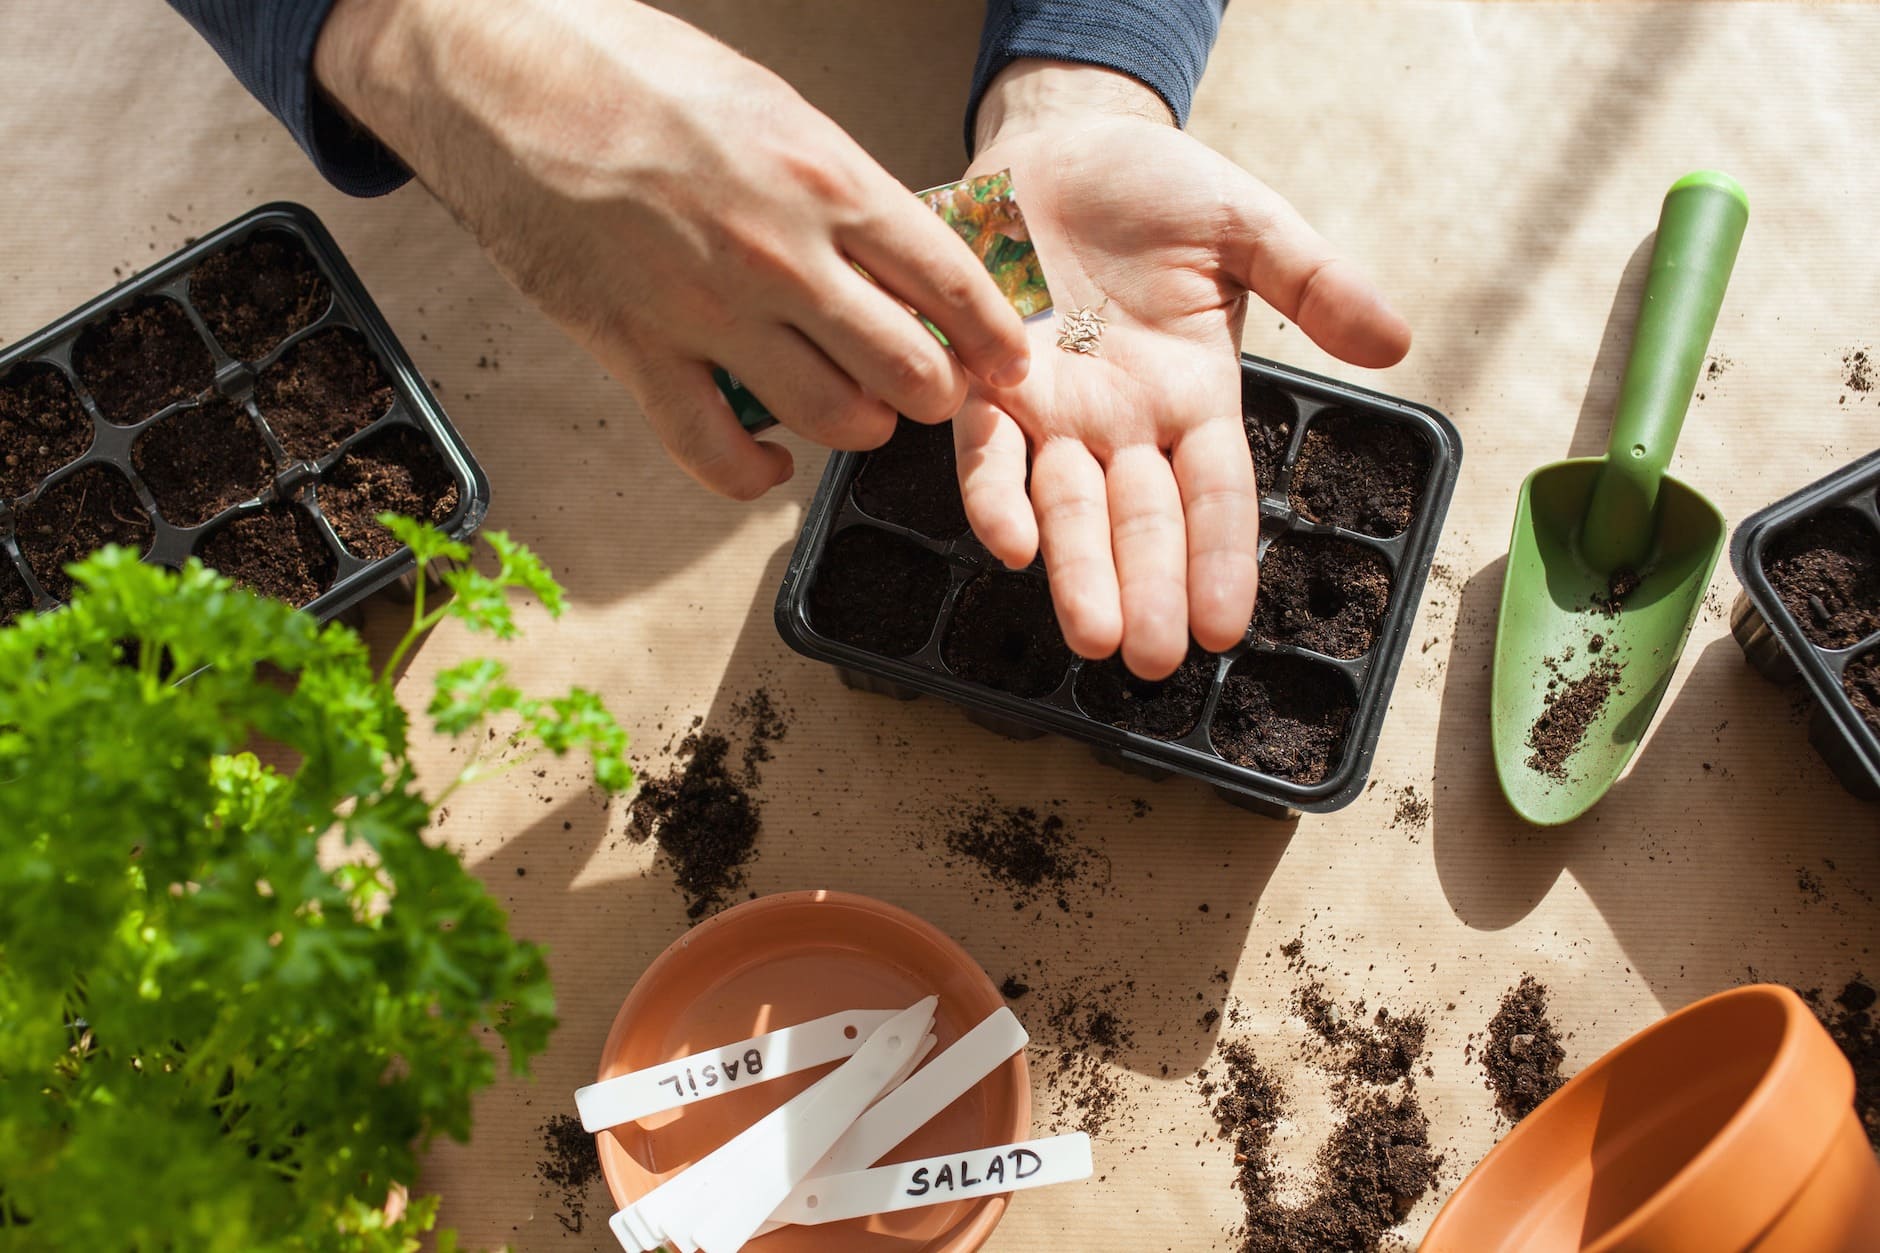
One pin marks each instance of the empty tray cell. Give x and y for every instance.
(1862, 684)
(277, 551)
(878, 591)
(323, 389)
(75, 517)
(1269, 416)
(42, 426)
(1826, 569)
(14, 598)
(1004, 634)
(141, 358)
(1361, 473)
(398, 472)
(258, 293)
(1283, 716)
(1321, 593)
(1164, 709)
(198, 462)
(911, 481)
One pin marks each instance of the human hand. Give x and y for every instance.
(673, 205)
(1141, 487)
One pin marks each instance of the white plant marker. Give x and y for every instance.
(937, 1180)
(718, 1203)
(915, 1103)
(729, 1068)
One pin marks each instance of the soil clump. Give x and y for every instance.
(1523, 1053)
(571, 1166)
(1030, 855)
(1568, 713)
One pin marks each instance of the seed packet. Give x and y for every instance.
(982, 211)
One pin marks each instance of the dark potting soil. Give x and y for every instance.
(1826, 569)
(277, 551)
(42, 426)
(1005, 635)
(1268, 415)
(1164, 709)
(398, 471)
(1567, 714)
(1325, 594)
(571, 1164)
(1859, 367)
(1380, 1052)
(1283, 716)
(1851, 1019)
(878, 591)
(75, 517)
(197, 462)
(1861, 682)
(140, 359)
(15, 599)
(1361, 473)
(323, 389)
(1523, 1053)
(1085, 1092)
(702, 813)
(258, 293)
(911, 481)
(1027, 853)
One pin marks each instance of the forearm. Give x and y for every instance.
(1032, 95)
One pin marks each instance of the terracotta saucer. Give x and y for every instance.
(786, 959)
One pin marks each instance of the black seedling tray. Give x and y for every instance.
(295, 481)
(1368, 678)
(1776, 641)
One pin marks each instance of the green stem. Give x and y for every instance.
(471, 774)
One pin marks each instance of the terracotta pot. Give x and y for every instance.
(1728, 1126)
(785, 959)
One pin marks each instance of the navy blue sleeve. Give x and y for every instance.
(1162, 43)
(269, 45)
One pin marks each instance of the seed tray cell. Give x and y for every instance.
(885, 587)
(206, 405)
(1810, 610)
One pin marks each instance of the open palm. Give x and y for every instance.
(1140, 488)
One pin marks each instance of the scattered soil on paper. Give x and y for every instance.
(1850, 1018)
(1413, 810)
(1081, 1074)
(1031, 855)
(1523, 1053)
(1858, 370)
(571, 1166)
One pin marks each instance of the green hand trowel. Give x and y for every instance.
(1610, 555)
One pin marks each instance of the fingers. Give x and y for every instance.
(1221, 503)
(872, 338)
(806, 391)
(1067, 490)
(1147, 536)
(690, 416)
(990, 450)
(918, 258)
(1275, 253)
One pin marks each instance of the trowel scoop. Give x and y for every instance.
(1610, 556)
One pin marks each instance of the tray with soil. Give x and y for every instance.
(241, 401)
(889, 586)
(1809, 610)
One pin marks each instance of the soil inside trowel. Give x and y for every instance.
(1523, 1053)
(277, 551)
(197, 462)
(1361, 473)
(1321, 593)
(911, 481)
(1004, 634)
(140, 359)
(75, 517)
(42, 426)
(258, 293)
(1826, 569)
(877, 590)
(323, 389)
(1164, 709)
(398, 471)
(1861, 681)
(1570, 709)
(1283, 716)
(1269, 416)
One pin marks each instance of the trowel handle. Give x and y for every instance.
(1698, 234)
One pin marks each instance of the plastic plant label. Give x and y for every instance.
(982, 211)
(937, 1180)
(730, 1068)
